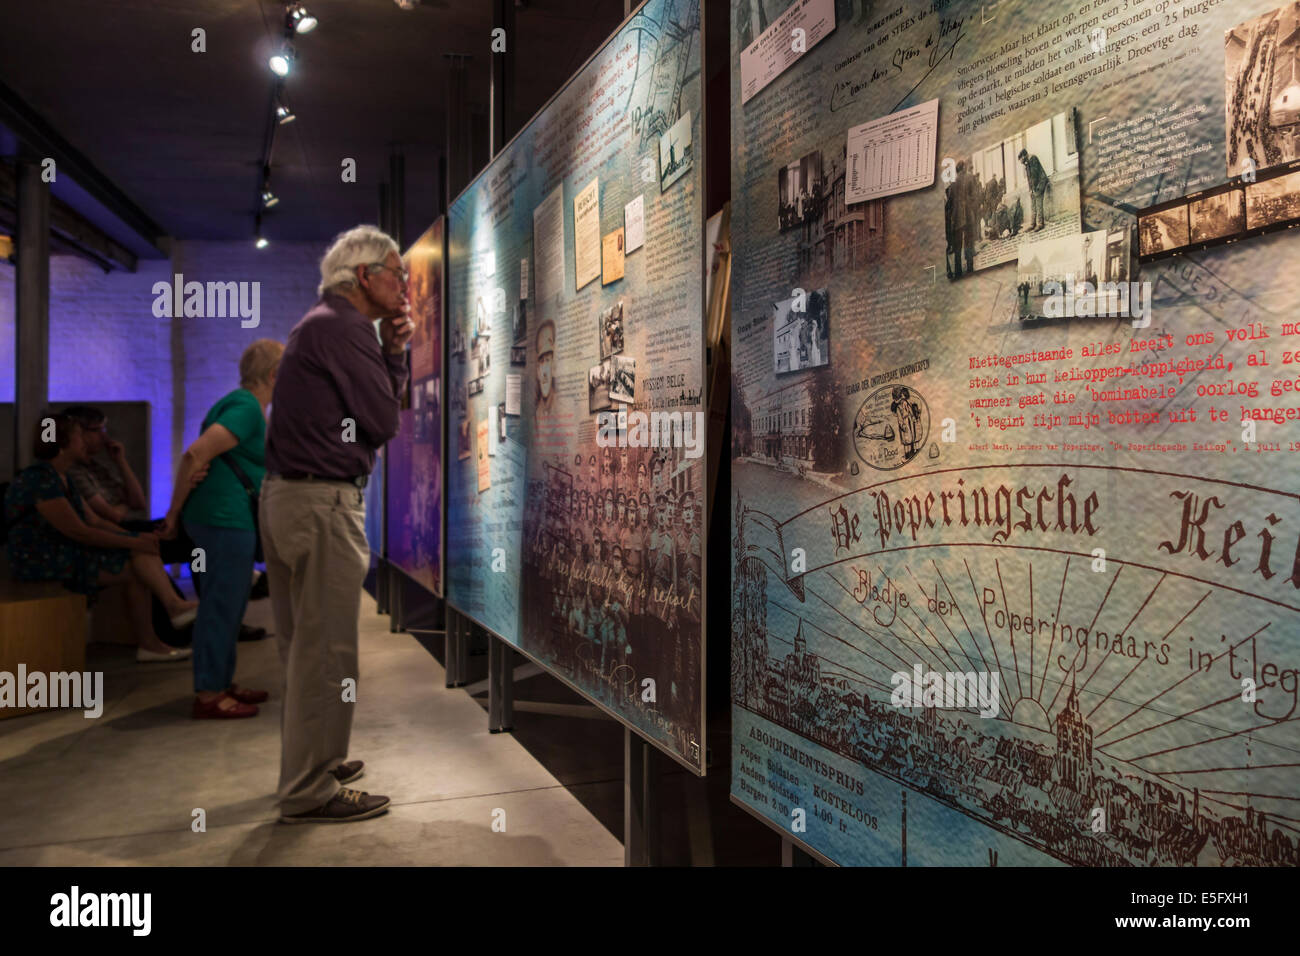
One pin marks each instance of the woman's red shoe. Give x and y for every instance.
(246, 696)
(212, 710)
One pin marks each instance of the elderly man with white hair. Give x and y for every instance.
(336, 401)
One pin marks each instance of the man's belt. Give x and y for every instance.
(359, 480)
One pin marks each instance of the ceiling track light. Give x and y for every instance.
(281, 61)
(268, 198)
(297, 19)
(283, 114)
(260, 241)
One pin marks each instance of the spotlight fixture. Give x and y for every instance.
(283, 114)
(282, 61)
(297, 18)
(269, 198)
(261, 243)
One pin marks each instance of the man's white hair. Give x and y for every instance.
(359, 246)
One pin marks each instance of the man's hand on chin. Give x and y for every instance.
(396, 330)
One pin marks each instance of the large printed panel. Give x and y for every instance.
(577, 290)
(485, 471)
(1015, 520)
(414, 511)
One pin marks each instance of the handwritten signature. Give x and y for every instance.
(847, 91)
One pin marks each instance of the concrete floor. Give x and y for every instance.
(121, 789)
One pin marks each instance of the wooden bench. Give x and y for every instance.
(43, 626)
(109, 621)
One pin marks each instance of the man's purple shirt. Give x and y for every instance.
(333, 369)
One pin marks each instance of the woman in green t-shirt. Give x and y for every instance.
(218, 516)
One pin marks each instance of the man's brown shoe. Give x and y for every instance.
(345, 807)
(348, 771)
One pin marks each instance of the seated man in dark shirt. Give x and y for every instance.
(335, 402)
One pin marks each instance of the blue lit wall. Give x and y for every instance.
(107, 345)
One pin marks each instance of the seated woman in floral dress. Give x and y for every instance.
(52, 536)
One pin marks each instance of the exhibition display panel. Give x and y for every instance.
(1014, 429)
(575, 505)
(414, 456)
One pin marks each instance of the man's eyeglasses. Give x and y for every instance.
(401, 274)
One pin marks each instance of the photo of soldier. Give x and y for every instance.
(662, 563)
(1038, 185)
(688, 550)
(1032, 174)
(544, 406)
(657, 475)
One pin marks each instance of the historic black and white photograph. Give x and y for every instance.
(1262, 91)
(1217, 216)
(600, 379)
(830, 235)
(519, 323)
(801, 186)
(609, 328)
(801, 329)
(675, 153)
(1163, 230)
(623, 384)
(463, 440)
(1273, 201)
(1056, 269)
(1022, 189)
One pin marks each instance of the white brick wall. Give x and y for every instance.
(209, 349)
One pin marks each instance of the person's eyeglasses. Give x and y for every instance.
(401, 274)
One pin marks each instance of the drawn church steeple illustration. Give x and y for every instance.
(1072, 765)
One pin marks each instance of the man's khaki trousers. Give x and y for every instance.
(314, 538)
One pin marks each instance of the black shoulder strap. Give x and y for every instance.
(244, 480)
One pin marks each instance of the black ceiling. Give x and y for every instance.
(181, 132)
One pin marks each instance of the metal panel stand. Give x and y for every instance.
(501, 686)
(640, 802)
(791, 855)
(456, 647)
(395, 584)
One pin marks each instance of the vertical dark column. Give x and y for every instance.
(383, 574)
(32, 312)
(459, 168)
(501, 91)
(397, 197)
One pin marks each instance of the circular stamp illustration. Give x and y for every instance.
(891, 427)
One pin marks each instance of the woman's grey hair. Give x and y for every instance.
(360, 246)
(259, 361)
